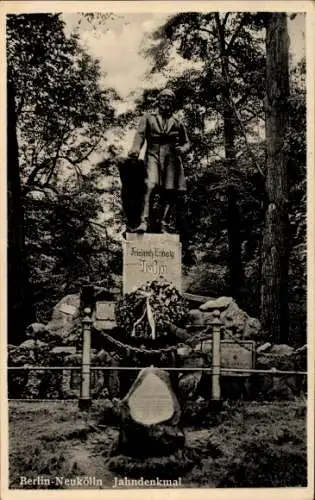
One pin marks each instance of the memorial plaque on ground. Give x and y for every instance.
(151, 402)
(104, 318)
(148, 257)
(233, 355)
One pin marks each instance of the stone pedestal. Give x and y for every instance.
(148, 257)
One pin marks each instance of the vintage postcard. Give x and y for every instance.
(158, 261)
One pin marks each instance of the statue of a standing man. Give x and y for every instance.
(166, 141)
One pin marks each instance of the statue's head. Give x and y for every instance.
(166, 101)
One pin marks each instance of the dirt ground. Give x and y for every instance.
(248, 444)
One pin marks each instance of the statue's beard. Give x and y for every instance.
(165, 111)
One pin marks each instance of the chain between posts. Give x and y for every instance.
(216, 326)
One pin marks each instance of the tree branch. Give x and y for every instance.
(205, 30)
(228, 96)
(249, 151)
(217, 20)
(241, 100)
(54, 163)
(100, 225)
(83, 158)
(225, 19)
(75, 165)
(31, 178)
(235, 34)
(254, 114)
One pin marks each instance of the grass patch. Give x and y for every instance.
(249, 445)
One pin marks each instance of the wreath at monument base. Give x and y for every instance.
(147, 312)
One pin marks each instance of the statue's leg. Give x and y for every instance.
(167, 202)
(172, 201)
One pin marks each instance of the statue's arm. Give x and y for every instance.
(140, 136)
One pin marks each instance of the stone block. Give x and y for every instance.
(219, 303)
(150, 414)
(149, 257)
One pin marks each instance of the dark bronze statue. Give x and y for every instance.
(166, 142)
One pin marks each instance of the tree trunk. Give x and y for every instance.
(236, 277)
(20, 308)
(234, 239)
(275, 253)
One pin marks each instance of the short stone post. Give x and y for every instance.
(85, 398)
(216, 356)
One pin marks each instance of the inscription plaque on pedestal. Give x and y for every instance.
(148, 257)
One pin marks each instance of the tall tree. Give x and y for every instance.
(235, 259)
(275, 258)
(20, 307)
(61, 119)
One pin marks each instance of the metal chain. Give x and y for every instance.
(138, 350)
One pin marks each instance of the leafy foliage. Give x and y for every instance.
(225, 56)
(62, 112)
(63, 116)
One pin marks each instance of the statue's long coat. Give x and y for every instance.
(163, 163)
